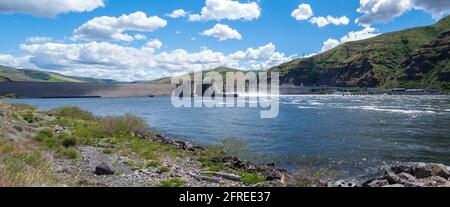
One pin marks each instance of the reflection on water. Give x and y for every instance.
(356, 132)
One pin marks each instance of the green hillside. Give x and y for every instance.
(427, 67)
(12, 74)
(221, 70)
(367, 63)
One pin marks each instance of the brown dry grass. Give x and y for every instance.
(23, 167)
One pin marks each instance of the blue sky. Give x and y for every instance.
(251, 34)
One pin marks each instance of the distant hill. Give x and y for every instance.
(221, 70)
(415, 57)
(13, 74)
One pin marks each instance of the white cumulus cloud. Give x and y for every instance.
(222, 32)
(382, 11)
(112, 28)
(365, 33)
(38, 39)
(125, 63)
(329, 44)
(49, 8)
(303, 12)
(324, 21)
(227, 9)
(178, 13)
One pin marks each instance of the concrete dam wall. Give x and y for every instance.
(59, 90)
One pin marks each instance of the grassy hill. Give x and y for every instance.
(221, 70)
(12, 74)
(378, 61)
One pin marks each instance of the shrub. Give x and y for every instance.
(163, 169)
(73, 112)
(46, 136)
(29, 117)
(123, 125)
(43, 135)
(234, 147)
(107, 151)
(153, 164)
(252, 178)
(68, 140)
(23, 167)
(10, 95)
(173, 183)
(70, 153)
(23, 107)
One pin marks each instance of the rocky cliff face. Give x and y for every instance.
(373, 62)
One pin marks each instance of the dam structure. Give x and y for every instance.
(80, 90)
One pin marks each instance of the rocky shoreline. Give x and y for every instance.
(123, 162)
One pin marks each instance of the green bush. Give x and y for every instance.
(69, 153)
(10, 95)
(68, 140)
(153, 164)
(73, 112)
(46, 136)
(173, 183)
(234, 147)
(23, 107)
(107, 151)
(163, 169)
(29, 117)
(43, 135)
(252, 178)
(123, 125)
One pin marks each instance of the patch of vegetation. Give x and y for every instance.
(23, 167)
(163, 169)
(252, 178)
(146, 149)
(68, 140)
(9, 95)
(153, 163)
(23, 107)
(73, 112)
(206, 162)
(37, 74)
(29, 117)
(234, 147)
(46, 136)
(123, 125)
(69, 153)
(173, 183)
(107, 151)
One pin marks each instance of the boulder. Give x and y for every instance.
(422, 172)
(428, 170)
(440, 170)
(378, 183)
(104, 169)
(414, 184)
(402, 169)
(406, 177)
(394, 186)
(392, 178)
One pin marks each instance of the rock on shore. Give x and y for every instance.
(413, 175)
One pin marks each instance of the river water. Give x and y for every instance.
(354, 133)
